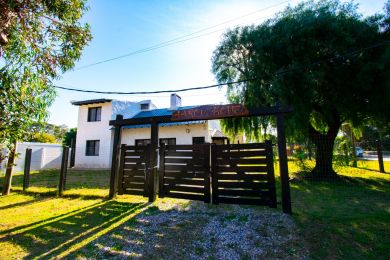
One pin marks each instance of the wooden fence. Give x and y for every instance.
(185, 172)
(243, 174)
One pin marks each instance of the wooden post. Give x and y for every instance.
(72, 153)
(283, 165)
(270, 173)
(115, 158)
(206, 165)
(214, 180)
(380, 156)
(161, 171)
(120, 172)
(64, 168)
(27, 165)
(152, 171)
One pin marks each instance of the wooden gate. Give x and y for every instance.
(243, 174)
(185, 172)
(134, 161)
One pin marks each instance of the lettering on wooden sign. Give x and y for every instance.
(210, 112)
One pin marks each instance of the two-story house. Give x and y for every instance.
(94, 136)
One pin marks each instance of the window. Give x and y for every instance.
(168, 141)
(198, 140)
(145, 106)
(142, 142)
(92, 148)
(94, 114)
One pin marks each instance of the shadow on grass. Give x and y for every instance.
(58, 235)
(75, 179)
(345, 217)
(24, 203)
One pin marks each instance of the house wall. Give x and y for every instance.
(179, 132)
(94, 131)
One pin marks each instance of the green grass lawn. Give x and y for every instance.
(347, 218)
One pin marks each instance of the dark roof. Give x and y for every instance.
(91, 101)
(166, 124)
(159, 112)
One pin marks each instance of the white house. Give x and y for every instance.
(94, 136)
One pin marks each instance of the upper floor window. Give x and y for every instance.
(94, 114)
(198, 140)
(145, 106)
(92, 148)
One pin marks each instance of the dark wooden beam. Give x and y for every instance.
(27, 165)
(72, 153)
(64, 169)
(115, 158)
(283, 165)
(217, 112)
(152, 171)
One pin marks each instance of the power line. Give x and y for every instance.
(280, 72)
(152, 92)
(179, 39)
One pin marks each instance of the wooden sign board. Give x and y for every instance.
(210, 112)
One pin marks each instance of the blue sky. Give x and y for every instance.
(123, 26)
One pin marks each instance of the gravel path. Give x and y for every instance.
(194, 230)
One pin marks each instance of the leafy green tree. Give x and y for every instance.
(43, 138)
(71, 134)
(323, 58)
(58, 131)
(39, 40)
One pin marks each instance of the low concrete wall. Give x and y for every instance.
(43, 156)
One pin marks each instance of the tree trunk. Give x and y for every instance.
(324, 149)
(8, 171)
(324, 157)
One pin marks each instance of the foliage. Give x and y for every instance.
(67, 140)
(307, 57)
(39, 41)
(43, 138)
(58, 132)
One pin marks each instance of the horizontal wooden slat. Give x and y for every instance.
(130, 174)
(232, 161)
(241, 154)
(190, 189)
(186, 147)
(241, 168)
(133, 179)
(133, 192)
(179, 167)
(246, 184)
(192, 161)
(241, 146)
(199, 182)
(243, 193)
(137, 186)
(259, 202)
(140, 160)
(132, 166)
(185, 174)
(189, 154)
(247, 177)
(135, 154)
(185, 196)
(135, 148)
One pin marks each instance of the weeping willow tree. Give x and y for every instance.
(323, 58)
